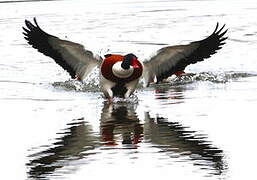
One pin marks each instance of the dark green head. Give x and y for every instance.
(128, 60)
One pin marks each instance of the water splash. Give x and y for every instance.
(93, 79)
(222, 77)
(91, 83)
(131, 101)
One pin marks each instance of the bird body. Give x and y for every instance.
(117, 81)
(119, 75)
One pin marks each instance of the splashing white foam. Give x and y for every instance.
(93, 79)
(220, 77)
(91, 83)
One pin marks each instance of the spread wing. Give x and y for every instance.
(171, 59)
(72, 57)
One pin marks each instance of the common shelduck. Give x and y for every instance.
(120, 74)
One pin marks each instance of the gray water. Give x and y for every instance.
(198, 126)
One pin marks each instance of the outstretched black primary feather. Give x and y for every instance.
(71, 56)
(40, 40)
(171, 59)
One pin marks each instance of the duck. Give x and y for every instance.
(120, 74)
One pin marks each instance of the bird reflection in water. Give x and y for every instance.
(121, 127)
(176, 141)
(167, 93)
(119, 122)
(77, 142)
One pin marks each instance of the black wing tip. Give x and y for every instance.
(32, 28)
(220, 31)
(30, 25)
(35, 21)
(216, 28)
(218, 35)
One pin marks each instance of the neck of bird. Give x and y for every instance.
(121, 72)
(125, 64)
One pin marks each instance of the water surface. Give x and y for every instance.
(197, 126)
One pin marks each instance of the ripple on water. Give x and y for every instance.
(17, 1)
(182, 144)
(72, 144)
(78, 145)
